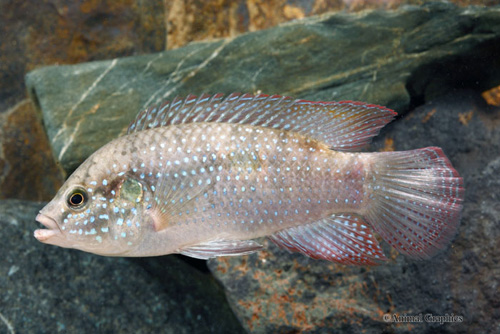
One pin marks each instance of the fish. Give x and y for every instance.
(207, 176)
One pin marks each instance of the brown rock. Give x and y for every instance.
(197, 20)
(36, 33)
(27, 169)
(492, 96)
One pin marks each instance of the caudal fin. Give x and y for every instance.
(416, 200)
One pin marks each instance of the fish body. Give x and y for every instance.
(205, 176)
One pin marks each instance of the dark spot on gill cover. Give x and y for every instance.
(115, 185)
(131, 190)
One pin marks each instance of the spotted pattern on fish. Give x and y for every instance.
(204, 176)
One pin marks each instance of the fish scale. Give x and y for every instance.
(204, 176)
(239, 180)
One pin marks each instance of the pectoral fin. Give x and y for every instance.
(216, 248)
(174, 196)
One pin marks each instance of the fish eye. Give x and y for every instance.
(77, 198)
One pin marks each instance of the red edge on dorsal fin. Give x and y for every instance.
(344, 126)
(349, 102)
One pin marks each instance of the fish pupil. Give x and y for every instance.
(77, 198)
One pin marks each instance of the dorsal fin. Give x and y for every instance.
(344, 125)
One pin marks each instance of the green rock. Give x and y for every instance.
(395, 58)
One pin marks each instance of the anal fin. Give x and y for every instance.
(342, 238)
(221, 248)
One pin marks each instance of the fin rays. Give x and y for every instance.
(343, 125)
(217, 248)
(417, 199)
(341, 238)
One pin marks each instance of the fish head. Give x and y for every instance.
(95, 211)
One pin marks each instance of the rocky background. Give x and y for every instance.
(437, 64)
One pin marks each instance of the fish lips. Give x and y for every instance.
(52, 229)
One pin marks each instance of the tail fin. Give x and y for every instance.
(416, 200)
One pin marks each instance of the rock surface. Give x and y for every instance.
(27, 168)
(45, 289)
(408, 57)
(389, 58)
(187, 19)
(36, 33)
(277, 292)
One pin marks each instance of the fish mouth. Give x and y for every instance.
(51, 225)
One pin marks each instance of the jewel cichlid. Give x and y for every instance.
(205, 176)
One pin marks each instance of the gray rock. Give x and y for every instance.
(398, 59)
(277, 292)
(45, 289)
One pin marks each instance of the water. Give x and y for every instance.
(429, 62)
